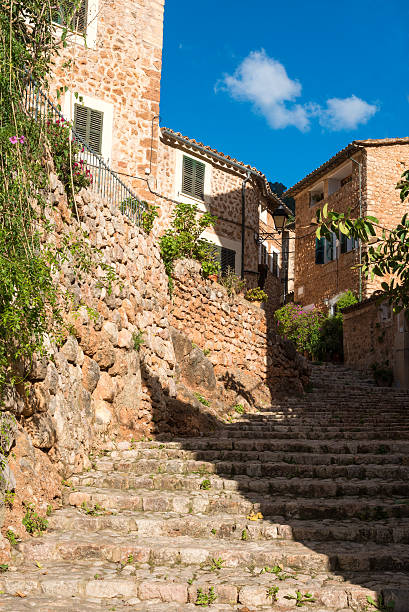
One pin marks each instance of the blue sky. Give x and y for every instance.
(285, 85)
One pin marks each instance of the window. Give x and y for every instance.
(226, 258)
(74, 20)
(274, 264)
(193, 175)
(325, 250)
(315, 197)
(348, 244)
(88, 123)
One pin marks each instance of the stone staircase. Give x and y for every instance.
(154, 522)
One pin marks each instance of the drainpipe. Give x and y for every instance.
(360, 214)
(243, 221)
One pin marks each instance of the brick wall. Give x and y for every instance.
(236, 332)
(123, 70)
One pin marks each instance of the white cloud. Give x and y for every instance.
(346, 113)
(264, 82)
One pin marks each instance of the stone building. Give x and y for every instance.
(117, 74)
(361, 177)
(193, 172)
(112, 98)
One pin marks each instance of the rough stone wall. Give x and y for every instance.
(369, 337)
(316, 282)
(224, 201)
(238, 334)
(95, 388)
(125, 70)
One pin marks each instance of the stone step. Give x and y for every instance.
(382, 457)
(273, 480)
(140, 587)
(308, 557)
(317, 434)
(231, 528)
(231, 502)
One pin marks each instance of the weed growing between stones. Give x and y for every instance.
(216, 564)
(9, 497)
(97, 510)
(205, 599)
(12, 537)
(380, 605)
(239, 408)
(4, 567)
(33, 522)
(201, 399)
(244, 535)
(300, 599)
(137, 339)
(205, 485)
(272, 593)
(277, 570)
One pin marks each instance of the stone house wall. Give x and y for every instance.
(238, 334)
(223, 198)
(382, 166)
(313, 282)
(119, 73)
(374, 335)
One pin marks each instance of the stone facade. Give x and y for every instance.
(382, 163)
(237, 333)
(222, 197)
(118, 73)
(375, 336)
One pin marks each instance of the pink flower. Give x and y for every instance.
(13, 139)
(22, 139)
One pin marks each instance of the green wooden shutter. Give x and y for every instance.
(88, 123)
(193, 177)
(319, 250)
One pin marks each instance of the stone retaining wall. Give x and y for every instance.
(236, 332)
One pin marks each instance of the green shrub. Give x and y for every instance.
(183, 239)
(346, 299)
(256, 295)
(331, 339)
(302, 327)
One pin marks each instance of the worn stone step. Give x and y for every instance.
(269, 479)
(136, 586)
(308, 557)
(382, 457)
(232, 528)
(232, 502)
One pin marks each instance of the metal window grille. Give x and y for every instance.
(105, 181)
(76, 20)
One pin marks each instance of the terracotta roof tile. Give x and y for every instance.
(192, 142)
(346, 152)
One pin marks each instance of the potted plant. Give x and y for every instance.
(256, 295)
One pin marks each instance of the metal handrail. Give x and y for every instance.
(104, 180)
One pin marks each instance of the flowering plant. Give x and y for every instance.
(71, 169)
(300, 326)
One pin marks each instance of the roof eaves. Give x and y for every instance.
(190, 142)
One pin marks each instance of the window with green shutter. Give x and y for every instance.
(193, 177)
(88, 123)
(226, 258)
(74, 20)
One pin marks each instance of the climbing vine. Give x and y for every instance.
(31, 303)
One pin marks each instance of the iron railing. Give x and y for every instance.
(104, 180)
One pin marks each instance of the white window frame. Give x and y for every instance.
(202, 205)
(100, 105)
(90, 38)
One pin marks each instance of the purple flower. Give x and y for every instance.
(13, 139)
(22, 139)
